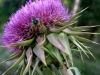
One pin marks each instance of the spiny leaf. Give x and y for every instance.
(72, 38)
(47, 51)
(69, 22)
(18, 69)
(4, 46)
(53, 51)
(24, 43)
(16, 52)
(47, 71)
(64, 39)
(75, 16)
(23, 68)
(82, 28)
(41, 39)
(11, 58)
(68, 31)
(64, 56)
(76, 70)
(53, 39)
(56, 30)
(39, 71)
(57, 55)
(16, 63)
(35, 65)
(80, 51)
(85, 48)
(85, 40)
(15, 56)
(54, 69)
(39, 53)
(29, 55)
(30, 71)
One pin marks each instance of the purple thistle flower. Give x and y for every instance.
(19, 26)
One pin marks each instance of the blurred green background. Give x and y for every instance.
(91, 16)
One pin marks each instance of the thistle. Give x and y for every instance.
(41, 36)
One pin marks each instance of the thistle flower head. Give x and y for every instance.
(41, 31)
(19, 27)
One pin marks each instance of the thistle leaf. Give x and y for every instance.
(11, 58)
(14, 53)
(85, 48)
(15, 56)
(47, 71)
(16, 63)
(57, 55)
(56, 30)
(75, 16)
(23, 68)
(39, 53)
(47, 50)
(40, 40)
(29, 55)
(81, 56)
(72, 38)
(24, 43)
(64, 56)
(54, 40)
(18, 69)
(68, 31)
(54, 69)
(64, 39)
(53, 51)
(35, 65)
(82, 28)
(30, 71)
(76, 70)
(39, 71)
(85, 40)
(69, 22)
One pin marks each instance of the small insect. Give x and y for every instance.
(35, 21)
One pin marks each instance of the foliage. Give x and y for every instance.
(7, 7)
